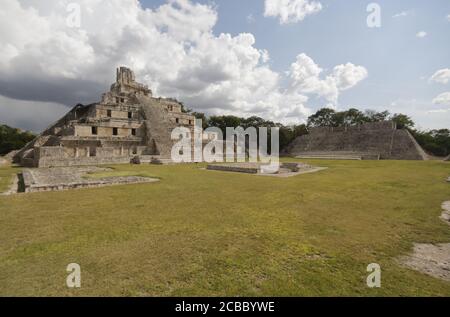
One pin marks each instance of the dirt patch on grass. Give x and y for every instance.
(430, 259)
(446, 212)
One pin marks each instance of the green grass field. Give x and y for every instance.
(199, 232)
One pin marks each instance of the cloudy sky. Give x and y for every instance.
(278, 59)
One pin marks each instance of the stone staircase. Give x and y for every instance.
(152, 159)
(336, 155)
(158, 126)
(161, 161)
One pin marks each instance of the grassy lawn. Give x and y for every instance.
(6, 173)
(200, 232)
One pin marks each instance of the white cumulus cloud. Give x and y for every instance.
(291, 11)
(305, 75)
(401, 14)
(442, 99)
(172, 48)
(421, 34)
(439, 111)
(441, 76)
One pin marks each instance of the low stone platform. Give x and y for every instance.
(339, 155)
(286, 169)
(162, 161)
(65, 178)
(249, 168)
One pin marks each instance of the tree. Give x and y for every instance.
(353, 117)
(325, 117)
(436, 142)
(256, 122)
(13, 139)
(222, 122)
(201, 116)
(403, 121)
(184, 109)
(286, 136)
(300, 130)
(373, 116)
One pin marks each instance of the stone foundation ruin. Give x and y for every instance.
(378, 140)
(286, 169)
(65, 178)
(128, 122)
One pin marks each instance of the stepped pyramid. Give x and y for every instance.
(128, 122)
(378, 140)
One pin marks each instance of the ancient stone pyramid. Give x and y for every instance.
(379, 140)
(128, 122)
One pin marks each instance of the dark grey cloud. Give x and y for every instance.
(47, 89)
(30, 115)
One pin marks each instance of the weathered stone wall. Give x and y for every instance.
(380, 138)
(82, 161)
(81, 156)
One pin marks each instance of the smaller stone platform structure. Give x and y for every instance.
(339, 155)
(65, 178)
(285, 170)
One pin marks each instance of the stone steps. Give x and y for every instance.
(162, 161)
(330, 157)
(338, 155)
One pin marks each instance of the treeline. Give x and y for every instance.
(287, 133)
(13, 139)
(435, 142)
(327, 117)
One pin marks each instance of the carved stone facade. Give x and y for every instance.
(128, 122)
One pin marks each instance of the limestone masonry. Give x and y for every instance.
(379, 140)
(128, 122)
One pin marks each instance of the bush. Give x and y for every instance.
(13, 139)
(436, 142)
